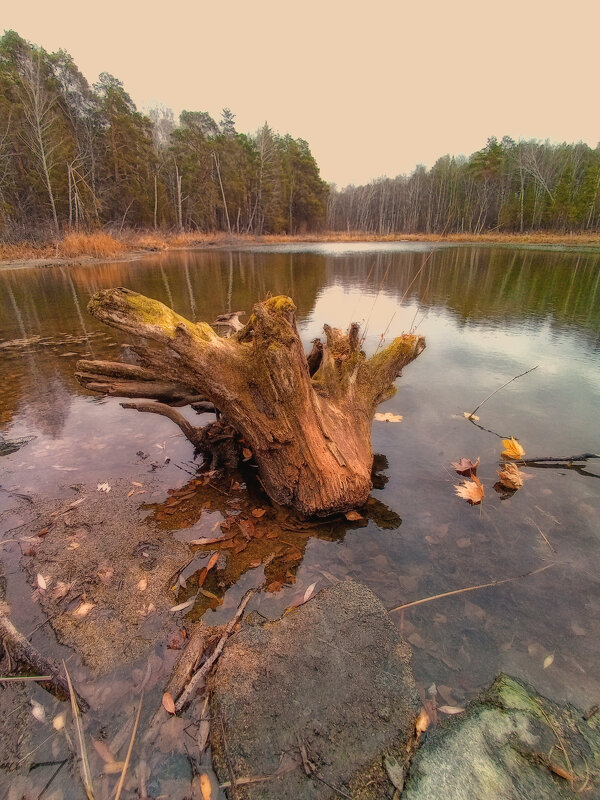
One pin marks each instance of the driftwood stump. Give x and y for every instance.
(310, 436)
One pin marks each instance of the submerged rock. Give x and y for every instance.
(328, 688)
(510, 744)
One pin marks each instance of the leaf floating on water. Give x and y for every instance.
(471, 491)
(511, 477)
(512, 448)
(38, 711)
(451, 709)
(548, 661)
(41, 582)
(168, 703)
(465, 466)
(103, 487)
(353, 516)
(466, 415)
(83, 609)
(388, 417)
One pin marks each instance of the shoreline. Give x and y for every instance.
(135, 247)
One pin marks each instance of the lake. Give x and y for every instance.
(488, 314)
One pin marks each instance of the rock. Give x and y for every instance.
(507, 746)
(330, 681)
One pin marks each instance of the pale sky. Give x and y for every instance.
(375, 88)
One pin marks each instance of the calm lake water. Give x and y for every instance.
(488, 314)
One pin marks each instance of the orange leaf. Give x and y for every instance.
(353, 516)
(512, 449)
(423, 722)
(511, 476)
(168, 703)
(471, 491)
(247, 453)
(258, 512)
(213, 560)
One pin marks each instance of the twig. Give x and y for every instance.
(86, 775)
(334, 788)
(129, 750)
(566, 459)
(54, 774)
(198, 676)
(26, 653)
(468, 589)
(26, 678)
(233, 785)
(501, 387)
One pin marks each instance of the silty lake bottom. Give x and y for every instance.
(488, 314)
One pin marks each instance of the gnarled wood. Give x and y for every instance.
(310, 436)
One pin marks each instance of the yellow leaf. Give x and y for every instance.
(466, 415)
(471, 491)
(388, 417)
(353, 516)
(512, 449)
(423, 722)
(511, 476)
(548, 661)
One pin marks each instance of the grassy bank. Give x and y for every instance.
(109, 246)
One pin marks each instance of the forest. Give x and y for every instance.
(81, 157)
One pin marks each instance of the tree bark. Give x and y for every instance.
(310, 437)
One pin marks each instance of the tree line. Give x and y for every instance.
(514, 186)
(75, 156)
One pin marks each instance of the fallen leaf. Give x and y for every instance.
(44, 531)
(548, 661)
(83, 609)
(353, 516)
(102, 749)
(143, 584)
(247, 453)
(388, 417)
(471, 491)
(206, 787)
(423, 722)
(41, 582)
(275, 586)
(512, 449)
(168, 703)
(451, 709)
(466, 415)
(131, 492)
(103, 487)
(395, 771)
(258, 512)
(309, 592)
(58, 723)
(181, 606)
(563, 773)
(511, 476)
(136, 483)
(210, 595)
(465, 466)
(61, 589)
(113, 768)
(38, 711)
(213, 560)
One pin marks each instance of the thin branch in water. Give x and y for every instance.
(26, 678)
(86, 775)
(129, 750)
(468, 589)
(527, 371)
(566, 459)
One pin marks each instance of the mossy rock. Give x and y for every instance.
(510, 744)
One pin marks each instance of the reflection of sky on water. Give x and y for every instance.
(487, 316)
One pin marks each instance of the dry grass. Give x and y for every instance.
(107, 246)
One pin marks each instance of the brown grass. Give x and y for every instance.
(107, 246)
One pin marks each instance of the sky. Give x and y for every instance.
(375, 87)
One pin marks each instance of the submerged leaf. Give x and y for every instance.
(103, 487)
(38, 711)
(548, 661)
(353, 516)
(83, 609)
(512, 448)
(451, 709)
(181, 606)
(168, 703)
(471, 491)
(511, 476)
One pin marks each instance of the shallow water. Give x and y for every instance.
(488, 314)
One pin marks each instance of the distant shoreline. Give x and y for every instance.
(88, 249)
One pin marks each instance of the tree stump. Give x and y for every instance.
(310, 436)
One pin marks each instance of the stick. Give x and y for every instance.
(502, 387)
(566, 460)
(129, 749)
(27, 654)
(198, 676)
(86, 775)
(468, 589)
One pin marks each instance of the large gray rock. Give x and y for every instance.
(508, 745)
(332, 676)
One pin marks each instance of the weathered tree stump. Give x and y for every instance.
(310, 436)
